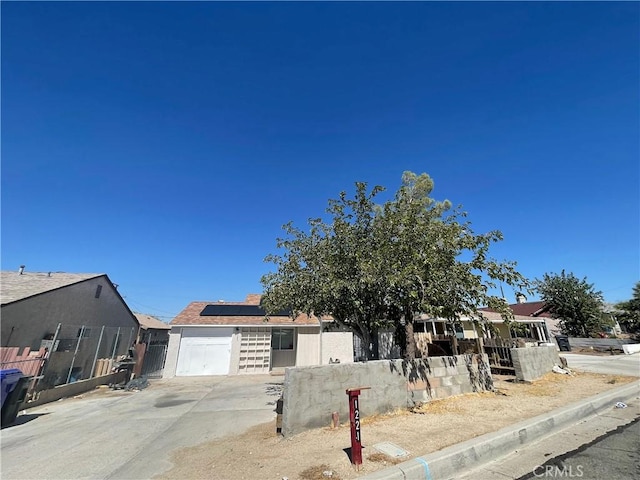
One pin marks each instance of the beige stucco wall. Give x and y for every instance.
(173, 349)
(234, 365)
(337, 345)
(308, 346)
(468, 330)
(503, 330)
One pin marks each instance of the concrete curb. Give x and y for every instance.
(451, 461)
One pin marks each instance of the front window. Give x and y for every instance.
(282, 339)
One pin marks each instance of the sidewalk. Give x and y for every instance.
(516, 450)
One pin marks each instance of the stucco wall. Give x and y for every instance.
(26, 322)
(234, 364)
(337, 345)
(311, 394)
(469, 332)
(308, 346)
(532, 363)
(171, 362)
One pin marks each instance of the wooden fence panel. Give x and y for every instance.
(29, 363)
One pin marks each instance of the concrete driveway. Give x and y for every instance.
(609, 364)
(129, 435)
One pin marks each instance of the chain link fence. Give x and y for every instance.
(80, 352)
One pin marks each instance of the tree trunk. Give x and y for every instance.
(410, 353)
(369, 343)
(400, 338)
(375, 346)
(365, 338)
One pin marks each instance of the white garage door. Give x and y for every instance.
(204, 351)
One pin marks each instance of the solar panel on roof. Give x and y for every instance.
(238, 311)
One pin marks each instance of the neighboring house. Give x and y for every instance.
(230, 338)
(151, 330)
(437, 330)
(77, 316)
(538, 310)
(152, 343)
(466, 328)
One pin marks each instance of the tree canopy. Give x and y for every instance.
(376, 266)
(573, 301)
(629, 312)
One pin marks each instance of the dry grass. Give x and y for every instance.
(317, 473)
(382, 417)
(454, 405)
(441, 423)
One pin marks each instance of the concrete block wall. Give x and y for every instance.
(75, 388)
(532, 363)
(311, 394)
(442, 377)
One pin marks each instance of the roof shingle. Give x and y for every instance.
(191, 316)
(147, 321)
(15, 286)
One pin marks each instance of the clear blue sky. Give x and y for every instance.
(166, 143)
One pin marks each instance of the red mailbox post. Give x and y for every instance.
(354, 418)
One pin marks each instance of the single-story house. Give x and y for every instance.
(151, 330)
(151, 345)
(231, 338)
(538, 310)
(77, 317)
(33, 304)
(525, 327)
(435, 330)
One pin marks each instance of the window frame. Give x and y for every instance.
(279, 337)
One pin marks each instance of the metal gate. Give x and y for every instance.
(154, 359)
(499, 352)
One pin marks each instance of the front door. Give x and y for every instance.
(283, 352)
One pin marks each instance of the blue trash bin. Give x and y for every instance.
(9, 379)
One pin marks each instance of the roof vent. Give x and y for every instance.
(21, 269)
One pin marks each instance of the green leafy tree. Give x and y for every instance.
(435, 264)
(573, 301)
(628, 313)
(378, 266)
(331, 270)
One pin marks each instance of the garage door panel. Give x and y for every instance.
(204, 352)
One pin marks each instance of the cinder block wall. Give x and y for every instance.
(532, 363)
(311, 394)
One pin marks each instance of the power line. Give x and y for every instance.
(138, 305)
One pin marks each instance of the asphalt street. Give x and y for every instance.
(612, 456)
(600, 447)
(609, 364)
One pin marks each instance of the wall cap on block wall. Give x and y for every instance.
(357, 389)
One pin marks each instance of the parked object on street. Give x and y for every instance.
(563, 343)
(14, 391)
(10, 378)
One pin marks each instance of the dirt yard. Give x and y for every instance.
(262, 454)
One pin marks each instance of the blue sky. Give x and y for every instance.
(166, 143)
